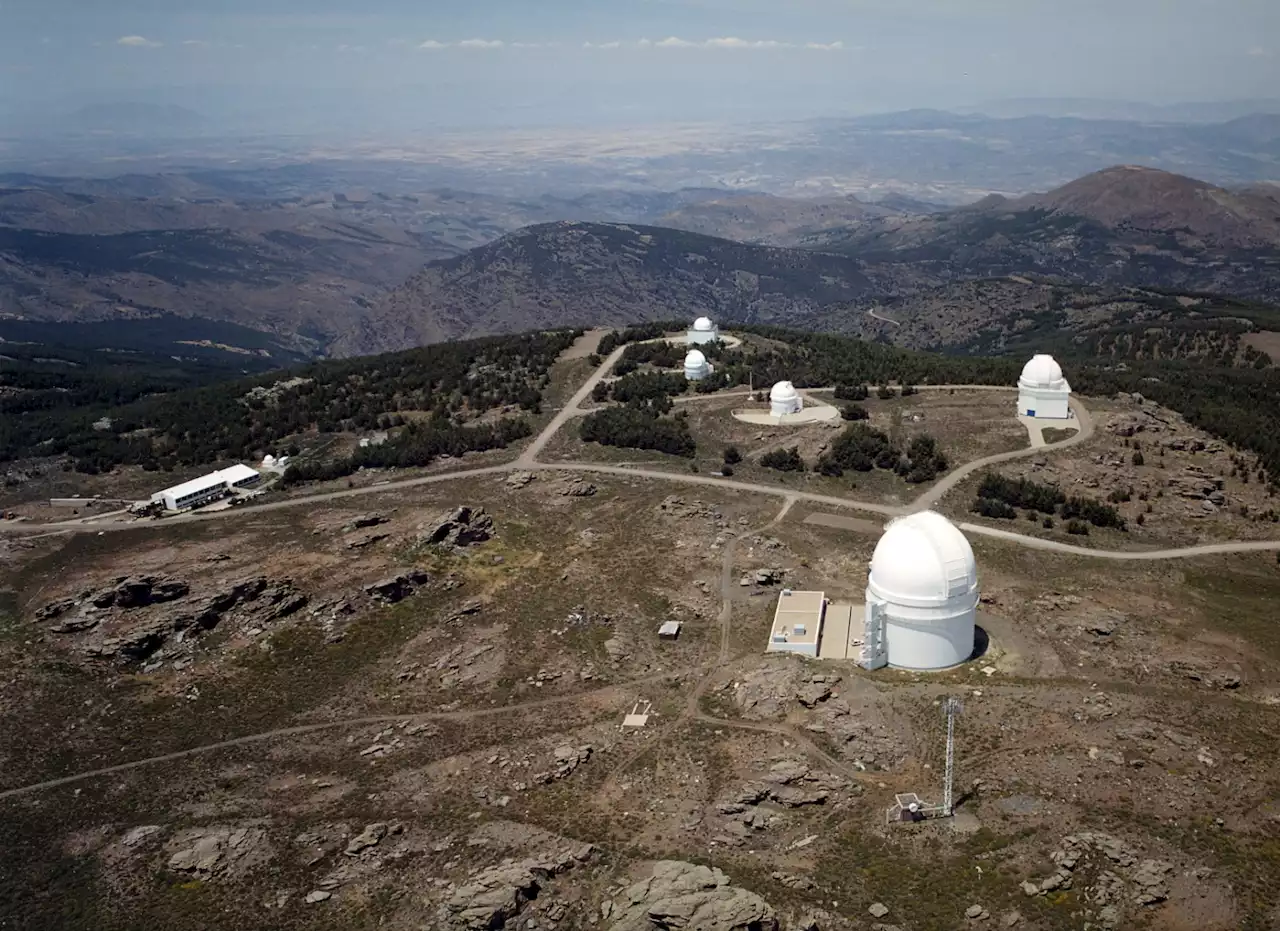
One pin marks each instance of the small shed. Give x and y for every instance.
(670, 630)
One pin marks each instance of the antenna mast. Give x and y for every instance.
(951, 707)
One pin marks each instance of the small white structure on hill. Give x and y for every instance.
(922, 596)
(206, 488)
(784, 399)
(1042, 390)
(702, 331)
(696, 366)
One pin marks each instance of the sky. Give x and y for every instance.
(421, 64)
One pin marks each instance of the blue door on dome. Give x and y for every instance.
(1031, 413)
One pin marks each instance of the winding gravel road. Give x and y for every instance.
(528, 461)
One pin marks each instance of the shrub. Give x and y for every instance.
(854, 412)
(1139, 459)
(884, 393)
(731, 455)
(988, 507)
(851, 392)
(783, 460)
(1078, 527)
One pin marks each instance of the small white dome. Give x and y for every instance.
(783, 391)
(268, 460)
(923, 559)
(694, 359)
(1042, 371)
(703, 325)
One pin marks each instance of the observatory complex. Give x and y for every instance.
(1042, 390)
(702, 331)
(920, 610)
(696, 366)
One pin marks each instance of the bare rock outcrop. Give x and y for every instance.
(463, 526)
(679, 895)
(1123, 877)
(494, 896)
(398, 587)
(207, 853)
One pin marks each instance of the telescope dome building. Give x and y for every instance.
(922, 596)
(784, 399)
(696, 366)
(1042, 389)
(702, 331)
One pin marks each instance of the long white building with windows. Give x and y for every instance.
(206, 488)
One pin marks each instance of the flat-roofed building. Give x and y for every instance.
(797, 622)
(206, 488)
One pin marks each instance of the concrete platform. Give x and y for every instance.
(818, 413)
(1035, 427)
(834, 643)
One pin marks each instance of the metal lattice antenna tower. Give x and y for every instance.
(951, 707)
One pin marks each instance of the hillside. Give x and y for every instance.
(1144, 200)
(570, 274)
(1122, 226)
(1018, 316)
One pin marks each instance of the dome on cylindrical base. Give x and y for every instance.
(784, 399)
(922, 593)
(696, 366)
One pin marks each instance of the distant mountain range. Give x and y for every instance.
(344, 273)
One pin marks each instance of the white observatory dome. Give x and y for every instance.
(784, 399)
(696, 366)
(703, 325)
(782, 391)
(268, 460)
(1043, 392)
(923, 585)
(1042, 371)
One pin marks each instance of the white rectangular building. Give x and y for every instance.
(797, 623)
(206, 488)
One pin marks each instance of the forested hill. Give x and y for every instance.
(433, 392)
(602, 274)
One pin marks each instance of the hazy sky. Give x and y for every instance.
(429, 62)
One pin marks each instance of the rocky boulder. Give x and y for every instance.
(681, 895)
(495, 896)
(463, 526)
(364, 521)
(398, 587)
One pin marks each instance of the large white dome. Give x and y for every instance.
(694, 359)
(1042, 371)
(922, 560)
(703, 325)
(783, 391)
